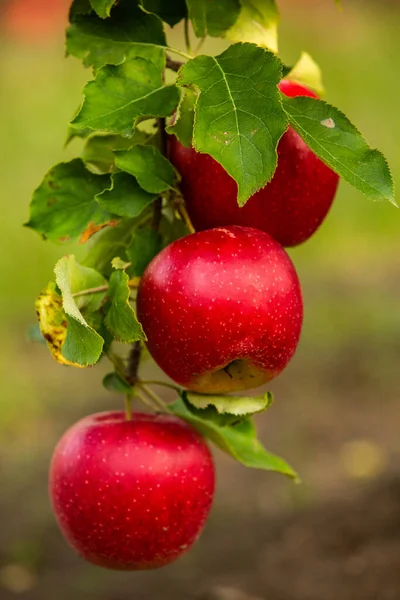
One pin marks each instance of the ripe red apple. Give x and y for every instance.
(34, 20)
(290, 208)
(222, 309)
(131, 494)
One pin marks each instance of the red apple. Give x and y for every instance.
(35, 20)
(131, 494)
(290, 208)
(222, 309)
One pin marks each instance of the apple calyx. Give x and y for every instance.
(237, 375)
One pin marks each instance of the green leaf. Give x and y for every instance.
(171, 11)
(102, 7)
(121, 94)
(79, 7)
(184, 122)
(257, 23)
(83, 345)
(99, 150)
(121, 318)
(118, 263)
(125, 198)
(212, 18)
(238, 116)
(107, 244)
(153, 171)
(145, 245)
(330, 134)
(172, 228)
(64, 204)
(239, 440)
(307, 72)
(233, 405)
(114, 383)
(130, 32)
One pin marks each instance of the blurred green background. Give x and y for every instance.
(336, 414)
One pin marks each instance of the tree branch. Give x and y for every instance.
(132, 367)
(174, 65)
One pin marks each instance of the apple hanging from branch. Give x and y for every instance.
(131, 494)
(290, 208)
(222, 309)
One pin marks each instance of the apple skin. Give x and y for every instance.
(131, 494)
(290, 208)
(222, 309)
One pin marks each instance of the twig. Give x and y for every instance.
(132, 367)
(185, 216)
(143, 398)
(157, 206)
(161, 383)
(155, 397)
(199, 46)
(174, 65)
(187, 36)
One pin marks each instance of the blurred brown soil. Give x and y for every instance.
(341, 550)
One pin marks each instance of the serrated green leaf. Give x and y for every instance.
(130, 32)
(99, 150)
(307, 72)
(102, 7)
(233, 405)
(239, 440)
(114, 383)
(64, 204)
(79, 7)
(83, 345)
(257, 23)
(153, 171)
(107, 244)
(212, 18)
(121, 318)
(238, 116)
(330, 134)
(121, 94)
(118, 263)
(171, 11)
(145, 245)
(184, 122)
(125, 198)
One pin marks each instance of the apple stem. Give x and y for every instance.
(187, 36)
(128, 407)
(162, 383)
(143, 398)
(185, 216)
(199, 46)
(155, 397)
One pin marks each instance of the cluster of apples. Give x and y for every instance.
(222, 310)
